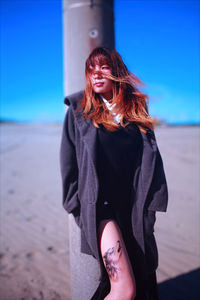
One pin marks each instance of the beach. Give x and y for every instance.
(34, 249)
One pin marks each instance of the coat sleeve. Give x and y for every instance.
(69, 167)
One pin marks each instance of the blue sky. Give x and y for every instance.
(158, 40)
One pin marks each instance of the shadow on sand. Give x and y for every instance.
(183, 287)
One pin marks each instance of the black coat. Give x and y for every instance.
(80, 187)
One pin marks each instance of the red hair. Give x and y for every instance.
(129, 101)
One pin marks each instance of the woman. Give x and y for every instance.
(113, 177)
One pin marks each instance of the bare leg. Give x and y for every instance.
(116, 262)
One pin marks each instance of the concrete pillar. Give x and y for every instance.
(86, 25)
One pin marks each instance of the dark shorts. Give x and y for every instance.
(114, 210)
(105, 210)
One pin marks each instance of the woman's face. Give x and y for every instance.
(101, 84)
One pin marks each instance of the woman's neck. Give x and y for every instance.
(108, 99)
(107, 96)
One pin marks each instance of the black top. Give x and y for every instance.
(118, 154)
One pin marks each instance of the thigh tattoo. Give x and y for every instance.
(111, 258)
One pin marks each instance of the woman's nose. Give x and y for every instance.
(97, 74)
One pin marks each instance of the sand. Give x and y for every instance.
(33, 242)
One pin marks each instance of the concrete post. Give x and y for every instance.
(86, 25)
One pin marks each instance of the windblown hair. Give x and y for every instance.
(128, 100)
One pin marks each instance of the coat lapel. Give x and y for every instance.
(87, 130)
(89, 134)
(148, 161)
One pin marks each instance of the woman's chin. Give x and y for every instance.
(99, 90)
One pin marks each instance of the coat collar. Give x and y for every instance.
(87, 130)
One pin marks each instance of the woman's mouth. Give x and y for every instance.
(98, 84)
